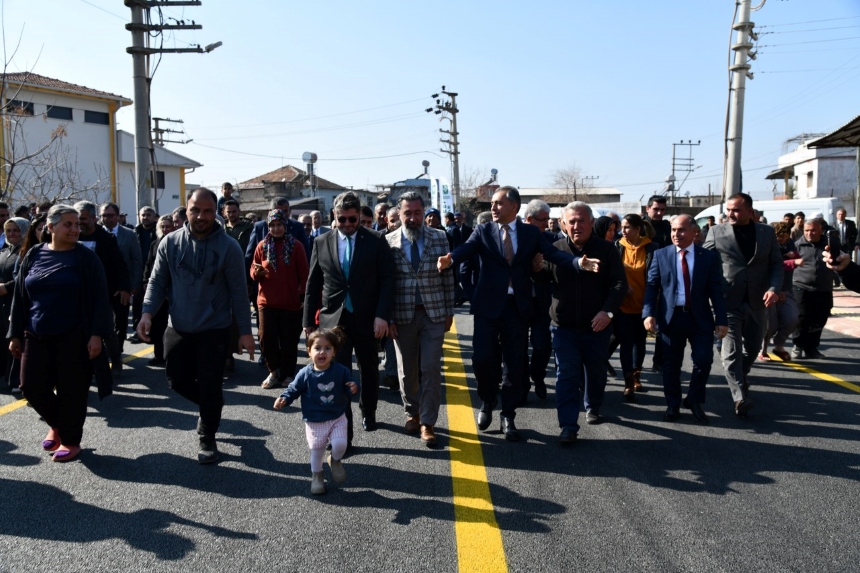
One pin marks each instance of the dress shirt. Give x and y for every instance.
(680, 295)
(341, 247)
(406, 244)
(513, 234)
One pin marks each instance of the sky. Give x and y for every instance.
(606, 87)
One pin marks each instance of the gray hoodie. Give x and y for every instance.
(204, 279)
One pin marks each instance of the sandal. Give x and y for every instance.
(763, 357)
(783, 355)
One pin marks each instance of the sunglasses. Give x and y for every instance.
(343, 220)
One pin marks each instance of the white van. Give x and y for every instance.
(774, 210)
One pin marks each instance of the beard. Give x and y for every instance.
(412, 233)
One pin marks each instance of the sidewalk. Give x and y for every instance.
(845, 316)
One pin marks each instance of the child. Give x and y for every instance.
(324, 387)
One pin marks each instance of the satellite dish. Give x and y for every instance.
(494, 171)
(309, 157)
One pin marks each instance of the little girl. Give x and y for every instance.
(324, 387)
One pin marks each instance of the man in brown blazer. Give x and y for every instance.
(423, 312)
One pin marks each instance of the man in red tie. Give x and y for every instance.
(683, 281)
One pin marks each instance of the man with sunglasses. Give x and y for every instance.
(351, 286)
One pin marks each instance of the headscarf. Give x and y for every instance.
(269, 249)
(601, 225)
(23, 225)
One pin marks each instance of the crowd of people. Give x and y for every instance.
(388, 279)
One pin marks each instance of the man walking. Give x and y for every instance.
(813, 291)
(423, 312)
(201, 271)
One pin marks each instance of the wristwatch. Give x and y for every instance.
(609, 314)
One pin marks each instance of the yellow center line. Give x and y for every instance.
(12, 406)
(821, 375)
(138, 354)
(479, 540)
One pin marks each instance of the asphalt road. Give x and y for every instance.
(779, 491)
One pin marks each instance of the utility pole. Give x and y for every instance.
(683, 165)
(740, 71)
(450, 107)
(158, 131)
(140, 27)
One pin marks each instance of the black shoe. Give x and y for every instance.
(698, 412)
(813, 353)
(672, 414)
(157, 362)
(743, 406)
(797, 353)
(655, 368)
(368, 422)
(567, 437)
(540, 389)
(116, 369)
(610, 370)
(485, 416)
(230, 365)
(134, 339)
(592, 417)
(391, 382)
(510, 430)
(208, 452)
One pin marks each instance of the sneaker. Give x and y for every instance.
(271, 381)
(813, 353)
(318, 483)
(338, 474)
(592, 417)
(797, 353)
(208, 452)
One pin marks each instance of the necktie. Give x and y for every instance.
(347, 259)
(416, 262)
(508, 244)
(842, 233)
(686, 270)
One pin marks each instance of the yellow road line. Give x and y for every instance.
(479, 540)
(821, 375)
(11, 407)
(139, 354)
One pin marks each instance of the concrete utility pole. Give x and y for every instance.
(453, 150)
(740, 71)
(139, 27)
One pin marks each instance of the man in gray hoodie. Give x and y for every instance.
(201, 270)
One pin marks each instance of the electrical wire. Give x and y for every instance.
(105, 11)
(809, 22)
(326, 159)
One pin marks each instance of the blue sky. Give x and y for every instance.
(605, 86)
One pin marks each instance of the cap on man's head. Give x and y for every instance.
(432, 211)
(817, 215)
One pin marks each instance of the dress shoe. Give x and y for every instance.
(510, 430)
(116, 369)
(813, 353)
(567, 436)
(157, 362)
(368, 422)
(428, 436)
(540, 389)
(66, 455)
(412, 426)
(637, 382)
(485, 416)
(208, 451)
(673, 413)
(698, 412)
(592, 417)
(743, 406)
(134, 339)
(610, 370)
(796, 353)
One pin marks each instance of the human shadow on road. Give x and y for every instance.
(7, 458)
(54, 515)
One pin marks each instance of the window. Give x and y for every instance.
(19, 107)
(159, 179)
(809, 179)
(57, 112)
(99, 117)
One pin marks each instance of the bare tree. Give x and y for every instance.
(568, 183)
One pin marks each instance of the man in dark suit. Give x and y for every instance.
(457, 235)
(683, 282)
(752, 280)
(847, 231)
(502, 303)
(351, 284)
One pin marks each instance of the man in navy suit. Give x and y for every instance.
(502, 303)
(683, 282)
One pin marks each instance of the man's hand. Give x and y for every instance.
(839, 263)
(537, 263)
(353, 387)
(600, 321)
(721, 331)
(124, 296)
(770, 298)
(144, 326)
(94, 346)
(650, 324)
(15, 347)
(380, 327)
(246, 342)
(444, 262)
(591, 265)
(392, 331)
(309, 330)
(449, 322)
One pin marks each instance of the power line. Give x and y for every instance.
(809, 22)
(103, 10)
(808, 42)
(810, 30)
(327, 158)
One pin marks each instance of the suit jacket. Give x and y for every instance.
(370, 284)
(321, 231)
(706, 288)
(850, 235)
(261, 229)
(491, 289)
(459, 236)
(437, 289)
(750, 278)
(129, 246)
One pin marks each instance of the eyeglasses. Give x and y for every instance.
(343, 220)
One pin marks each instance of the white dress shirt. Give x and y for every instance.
(680, 295)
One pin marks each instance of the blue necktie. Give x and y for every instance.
(347, 303)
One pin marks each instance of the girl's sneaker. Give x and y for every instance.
(338, 474)
(318, 483)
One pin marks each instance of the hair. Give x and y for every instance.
(536, 206)
(79, 207)
(385, 205)
(484, 217)
(577, 205)
(22, 211)
(4, 205)
(109, 205)
(44, 207)
(230, 202)
(346, 201)
(656, 199)
(31, 239)
(278, 202)
(206, 193)
(789, 215)
(312, 213)
(411, 196)
(367, 211)
(182, 212)
(511, 194)
(781, 228)
(742, 196)
(227, 185)
(800, 214)
(158, 232)
(147, 209)
(842, 209)
(647, 229)
(817, 220)
(634, 220)
(335, 337)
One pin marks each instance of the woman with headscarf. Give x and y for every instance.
(605, 227)
(281, 269)
(15, 229)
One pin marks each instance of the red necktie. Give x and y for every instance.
(686, 271)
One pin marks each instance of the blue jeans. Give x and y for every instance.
(580, 358)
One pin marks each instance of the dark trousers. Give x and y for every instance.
(492, 335)
(137, 308)
(360, 339)
(630, 334)
(814, 310)
(280, 331)
(195, 370)
(120, 317)
(534, 367)
(157, 330)
(580, 358)
(59, 362)
(681, 329)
